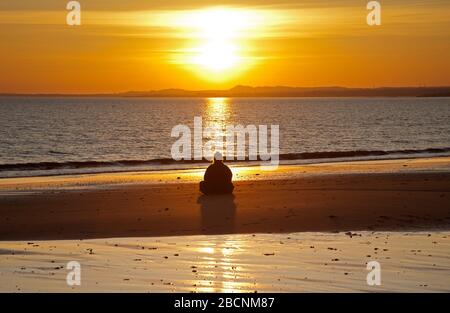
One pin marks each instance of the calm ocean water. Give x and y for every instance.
(72, 135)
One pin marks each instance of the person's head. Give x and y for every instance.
(218, 157)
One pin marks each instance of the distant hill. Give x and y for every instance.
(277, 91)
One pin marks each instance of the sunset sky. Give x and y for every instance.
(147, 45)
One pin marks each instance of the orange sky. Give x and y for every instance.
(140, 45)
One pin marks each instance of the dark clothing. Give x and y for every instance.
(217, 179)
(218, 173)
(209, 189)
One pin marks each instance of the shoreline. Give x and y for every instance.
(301, 228)
(107, 179)
(389, 195)
(50, 169)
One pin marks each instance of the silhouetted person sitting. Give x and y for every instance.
(217, 179)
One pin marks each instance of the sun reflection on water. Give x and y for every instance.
(218, 114)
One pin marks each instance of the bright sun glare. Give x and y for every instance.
(217, 55)
(217, 44)
(219, 30)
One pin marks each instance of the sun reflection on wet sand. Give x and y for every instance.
(220, 269)
(294, 262)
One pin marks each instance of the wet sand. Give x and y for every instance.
(371, 198)
(298, 262)
(300, 228)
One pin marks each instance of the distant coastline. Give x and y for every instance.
(277, 91)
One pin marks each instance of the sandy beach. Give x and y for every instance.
(224, 147)
(297, 262)
(153, 231)
(372, 195)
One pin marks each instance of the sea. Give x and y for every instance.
(77, 135)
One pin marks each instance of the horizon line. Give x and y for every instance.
(235, 89)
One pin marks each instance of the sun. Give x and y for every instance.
(217, 56)
(219, 31)
(217, 41)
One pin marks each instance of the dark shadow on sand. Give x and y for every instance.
(217, 213)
